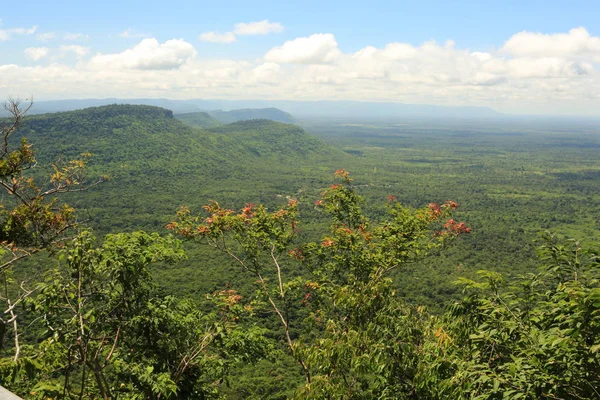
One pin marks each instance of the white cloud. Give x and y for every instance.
(37, 53)
(149, 54)
(130, 33)
(267, 72)
(263, 27)
(314, 68)
(80, 51)
(75, 36)
(399, 51)
(6, 34)
(481, 56)
(547, 67)
(214, 37)
(315, 49)
(44, 37)
(577, 42)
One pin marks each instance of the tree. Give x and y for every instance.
(98, 327)
(351, 336)
(106, 330)
(535, 337)
(32, 219)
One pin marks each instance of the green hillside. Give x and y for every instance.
(156, 162)
(199, 119)
(266, 138)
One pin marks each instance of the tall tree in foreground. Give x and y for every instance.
(336, 305)
(107, 332)
(31, 218)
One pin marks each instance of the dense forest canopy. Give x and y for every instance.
(414, 277)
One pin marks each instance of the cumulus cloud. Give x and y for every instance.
(547, 67)
(577, 41)
(263, 27)
(481, 56)
(79, 51)
(37, 53)
(149, 54)
(214, 37)
(75, 36)
(313, 67)
(399, 51)
(267, 72)
(46, 36)
(131, 33)
(315, 49)
(7, 34)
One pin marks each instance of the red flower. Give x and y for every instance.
(342, 173)
(247, 211)
(306, 297)
(452, 204)
(435, 208)
(327, 242)
(297, 254)
(449, 223)
(456, 228)
(203, 230)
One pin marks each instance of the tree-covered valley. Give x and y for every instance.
(409, 259)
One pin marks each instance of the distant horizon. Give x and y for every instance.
(525, 58)
(500, 115)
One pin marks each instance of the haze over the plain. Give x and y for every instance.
(528, 58)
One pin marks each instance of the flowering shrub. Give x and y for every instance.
(337, 289)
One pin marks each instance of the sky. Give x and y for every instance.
(522, 57)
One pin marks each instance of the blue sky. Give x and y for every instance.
(503, 54)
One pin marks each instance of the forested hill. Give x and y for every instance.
(156, 162)
(216, 118)
(199, 119)
(273, 114)
(264, 138)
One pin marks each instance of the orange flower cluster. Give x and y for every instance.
(305, 300)
(435, 209)
(248, 211)
(297, 254)
(342, 173)
(327, 242)
(456, 227)
(230, 297)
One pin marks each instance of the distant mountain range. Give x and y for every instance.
(157, 162)
(301, 109)
(215, 118)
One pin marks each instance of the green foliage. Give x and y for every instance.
(155, 161)
(355, 338)
(331, 290)
(536, 338)
(199, 119)
(347, 344)
(32, 220)
(108, 332)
